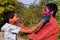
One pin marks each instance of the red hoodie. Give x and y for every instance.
(48, 32)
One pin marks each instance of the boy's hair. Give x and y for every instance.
(52, 7)
(8, 14)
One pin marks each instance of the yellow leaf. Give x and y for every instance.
(1, 9)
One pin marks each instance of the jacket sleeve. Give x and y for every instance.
(14, 29)
(4, 27)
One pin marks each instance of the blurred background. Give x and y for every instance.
(29, 11)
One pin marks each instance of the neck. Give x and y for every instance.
(11, 23)
(51, 18)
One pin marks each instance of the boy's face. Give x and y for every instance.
(46, 10)
(14, 19)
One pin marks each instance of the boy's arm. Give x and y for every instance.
(21, 25)
(42, 22)
(32, 28)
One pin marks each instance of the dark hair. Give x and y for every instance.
(52, 7)
(6, 16)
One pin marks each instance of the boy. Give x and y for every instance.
(10, 30)
(49, 31)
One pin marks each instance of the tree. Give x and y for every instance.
(58, 14)
(6, 5)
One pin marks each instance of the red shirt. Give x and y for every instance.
(48, 32)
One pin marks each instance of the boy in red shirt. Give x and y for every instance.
(49, 30)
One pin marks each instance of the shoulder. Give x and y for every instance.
(54, 22)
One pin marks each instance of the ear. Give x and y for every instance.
(10, 19)
(52, 12)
